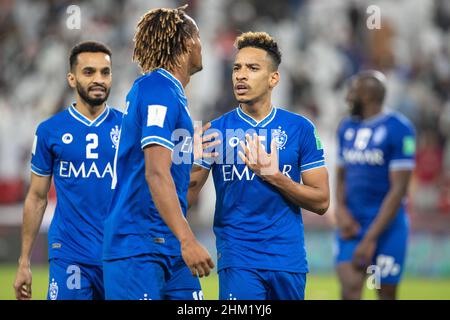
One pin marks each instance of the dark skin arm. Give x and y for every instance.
(399, 181)
(158, 161)
(348, 226)
(199, 175)
(33, 212)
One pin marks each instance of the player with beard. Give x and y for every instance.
(376, 158)
(76, 147)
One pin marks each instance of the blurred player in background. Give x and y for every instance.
(76, 147)
(258, 222)
(147, 225)
(376, 158)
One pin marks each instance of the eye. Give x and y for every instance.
(106, 72)
(87, 72)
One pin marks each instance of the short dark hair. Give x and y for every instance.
(87, 46)
(261, 40)
(375, 82)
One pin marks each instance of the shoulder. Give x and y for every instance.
(219, 121)
(299, 120)
(154, 82)
(54, 122)
(344, 124)
(115, 113)
(398, 121)
(156, 88)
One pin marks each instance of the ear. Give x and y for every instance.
(189, 44)
(274, 79)
(71, 80)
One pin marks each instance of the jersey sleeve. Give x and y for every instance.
(159, 109)
(311, 150)
(403, 146)
(340, 140)
(41, 155)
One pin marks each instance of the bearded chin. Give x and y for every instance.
(356, 110)
(91, 101)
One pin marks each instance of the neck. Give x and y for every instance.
(257, 110)
(182, 75)
(371, 111)
(90, 112)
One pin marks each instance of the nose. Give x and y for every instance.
(241, 75)
(99, 78)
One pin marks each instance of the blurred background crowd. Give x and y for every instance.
(324, 42)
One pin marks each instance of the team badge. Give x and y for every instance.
(53, 290)
(379, 135)
(67, 138)
(349, 134)
(280, 138)
(115, 135)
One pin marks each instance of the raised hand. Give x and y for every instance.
(202, 142)
(263, 164)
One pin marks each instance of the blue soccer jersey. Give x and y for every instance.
(368, 150)
(157, 113)
(79, 154)
(255, 226)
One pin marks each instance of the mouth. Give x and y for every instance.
(241, 89)
(97, 90)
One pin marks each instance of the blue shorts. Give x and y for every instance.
(255, 284)
(150, 277)
(75, 281)
(389, 255)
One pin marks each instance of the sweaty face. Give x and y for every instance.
(92, 77)
(354, 99)
(252, 74)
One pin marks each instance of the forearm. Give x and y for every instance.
(163, 193)
(33, 212)
(308, 197)
(387, 213)
(198, 178)
(340, 188)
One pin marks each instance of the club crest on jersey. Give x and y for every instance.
(280, 138)
(67, 138)
(379, 135)
(53, 290)
(349, 134)
(115, 134)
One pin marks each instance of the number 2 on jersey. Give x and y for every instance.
(92, 138)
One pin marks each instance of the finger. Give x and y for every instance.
(273, 148)
(210, 263)
(24, 293)
(247, 152)
(200, 270)
(250, 148)
(210, 136)
(197, 130)
(210, 155)
(210, 144)
(206, 268)
(193, 271)
(243, 158)
(206, 127)
(257, 142)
